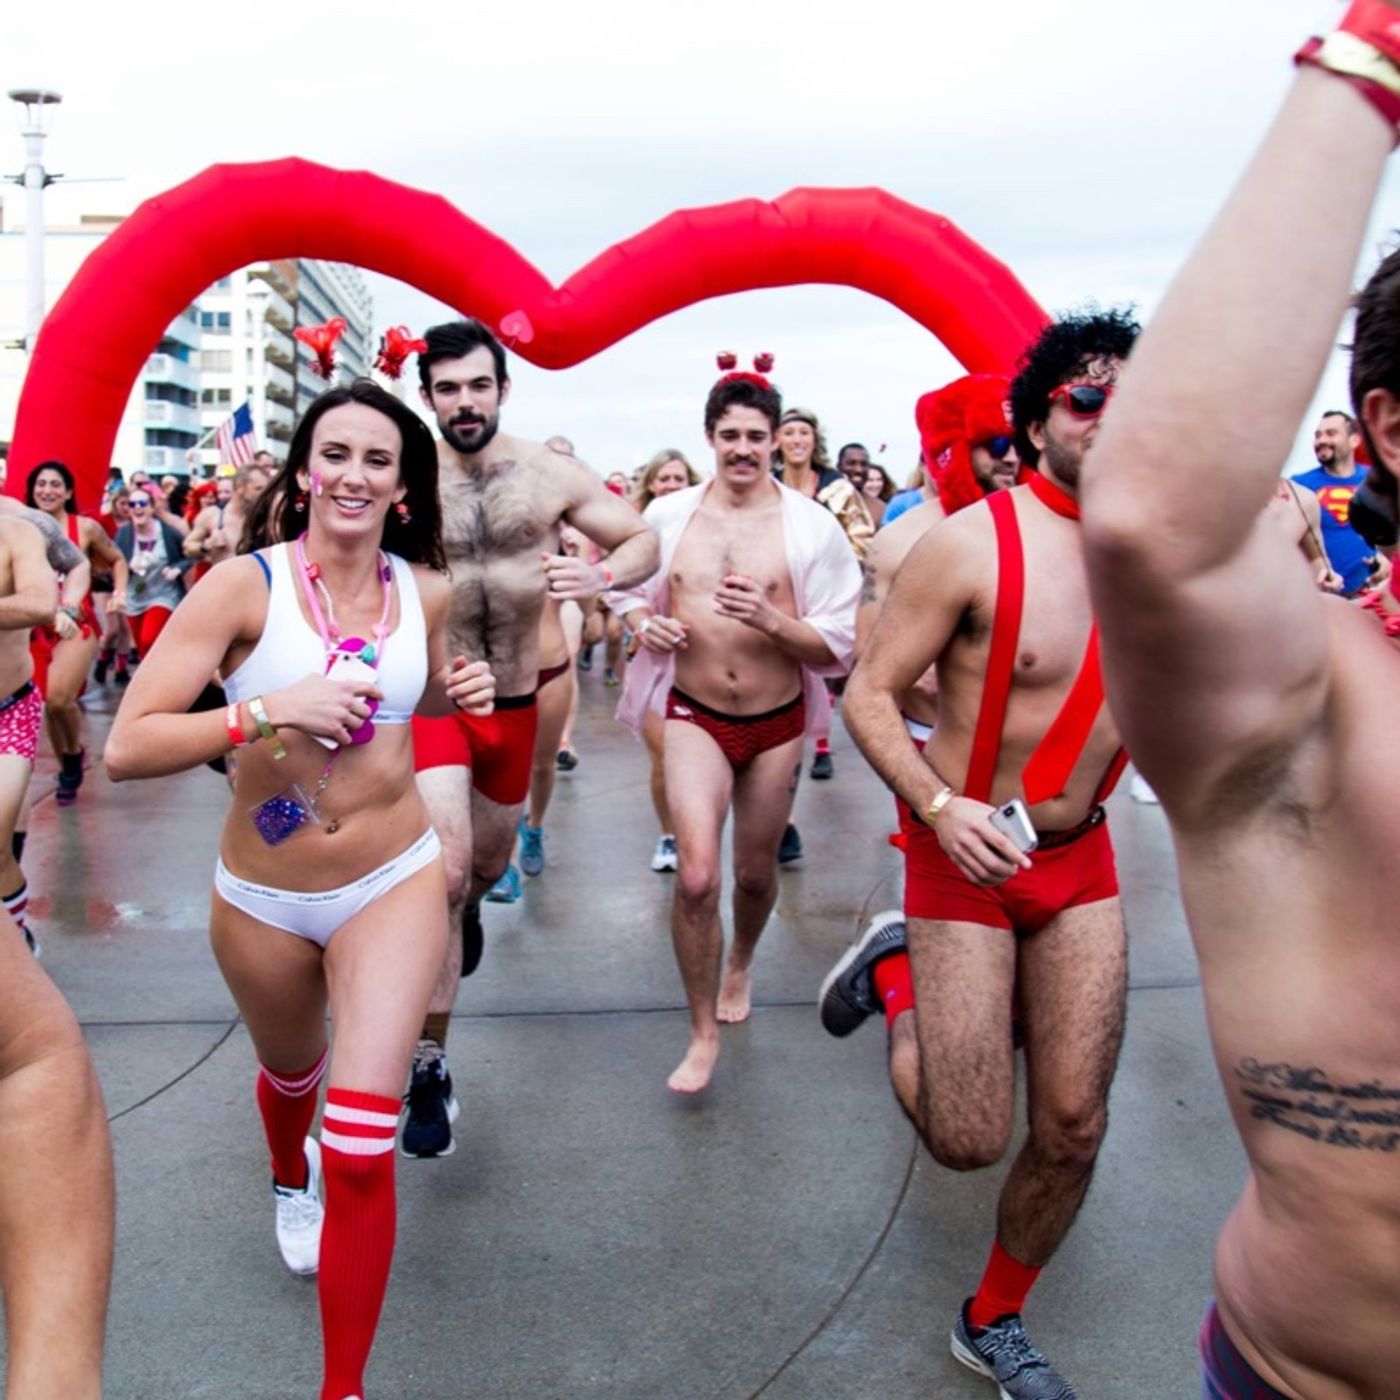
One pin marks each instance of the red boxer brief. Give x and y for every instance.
(499, 748)
(1081, 870)
(741, 738)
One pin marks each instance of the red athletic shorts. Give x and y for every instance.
(741, 738)
(499, 749)
(1082, 871)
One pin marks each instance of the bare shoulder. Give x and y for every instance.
(17, 533)
(434, 591)
(891, 544)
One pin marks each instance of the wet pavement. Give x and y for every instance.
(780, 1236)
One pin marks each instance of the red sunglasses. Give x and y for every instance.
(1083, 400)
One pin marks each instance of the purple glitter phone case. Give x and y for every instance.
(283, 814)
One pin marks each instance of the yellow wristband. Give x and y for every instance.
(259, 712)
(938, 804)
(1353, 57)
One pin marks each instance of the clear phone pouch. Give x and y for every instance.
(284, 814)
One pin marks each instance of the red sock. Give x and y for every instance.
(1003, 1288)
(894, 985)
(823, 745)
(357, 1241)
(287, 1103)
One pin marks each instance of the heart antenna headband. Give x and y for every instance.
(728, 361)
(395, 346)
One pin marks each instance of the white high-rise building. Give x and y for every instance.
(250, 354)
(161, 424)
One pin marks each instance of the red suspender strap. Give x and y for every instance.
(1110, 778)
(1048, 770)
(1001, 658)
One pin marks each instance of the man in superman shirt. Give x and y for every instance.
(1334, 480)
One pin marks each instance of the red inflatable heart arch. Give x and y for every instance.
(95, 340)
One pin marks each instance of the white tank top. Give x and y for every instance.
(291, 649)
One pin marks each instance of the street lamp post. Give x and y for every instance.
(38, 104)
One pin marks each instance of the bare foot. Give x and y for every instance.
(734, 1003)
(693, 1073)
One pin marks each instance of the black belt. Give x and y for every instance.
(515, 702)
(23, 693)
(1049, 840)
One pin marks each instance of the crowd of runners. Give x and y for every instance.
(380, 641)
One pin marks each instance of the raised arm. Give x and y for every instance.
(1214, 639)
(607, 520)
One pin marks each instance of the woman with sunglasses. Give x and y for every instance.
(329, 890)
(154, 552)
(64, 652)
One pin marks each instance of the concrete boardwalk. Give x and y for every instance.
(595, 1236)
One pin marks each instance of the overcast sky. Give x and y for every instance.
(1087, 147)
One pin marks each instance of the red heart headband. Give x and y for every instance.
(727, 360)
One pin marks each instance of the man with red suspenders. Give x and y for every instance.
(996, 597)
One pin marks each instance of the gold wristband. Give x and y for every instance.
(259, 712)
(938, 804)
(1352, 57)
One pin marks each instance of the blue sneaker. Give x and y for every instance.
(507, 889)
(531, 848)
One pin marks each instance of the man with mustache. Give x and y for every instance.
(503, 503)
(754, 604)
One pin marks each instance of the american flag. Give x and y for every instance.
(235, 438)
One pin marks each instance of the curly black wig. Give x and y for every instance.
(1064, 351)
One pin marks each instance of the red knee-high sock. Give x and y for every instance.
(357, 1241)
(894, 985)
(1003, 1288)
(287, 1103)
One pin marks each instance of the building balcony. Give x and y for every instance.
(160, 413)
(279, 412)
(280, 353)
(166, 369)
(279, 432)
(168, 459)
(280, 276)
(282, 394)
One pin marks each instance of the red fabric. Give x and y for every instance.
(741, 738)
(894, 985)
(1003, 1289)
(101, 330)
(1082, 872)
(146, 627)
(357, 1239)
(950, 421)
(287, 1103)
(1054, 497)
(499, 749)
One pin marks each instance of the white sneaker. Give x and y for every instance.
(1142, 792)
(299, 1216)
(665, 857)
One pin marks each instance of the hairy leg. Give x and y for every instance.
(763, 795)
(56, 1189)
(1073, 977)
(701, 783)
(959, 1090)
(493, 839)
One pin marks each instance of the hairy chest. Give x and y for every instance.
(714, 546)
(501, 516)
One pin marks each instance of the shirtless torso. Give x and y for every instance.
(726, 663)
(1264, 716)
(27, 593)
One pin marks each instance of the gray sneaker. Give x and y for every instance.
(1005, 1354)
(847, 994)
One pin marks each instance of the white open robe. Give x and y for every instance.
(825, 587)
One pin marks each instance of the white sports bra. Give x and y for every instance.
(290, 649)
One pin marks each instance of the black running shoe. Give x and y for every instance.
(822, 766)
(432, 1106)
(104, 664)
(473, 939)
(585, 659)
(790, 848)
(1004, 1354)
(847, 993)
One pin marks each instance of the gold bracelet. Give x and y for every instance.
(945, 796)
(259, 712)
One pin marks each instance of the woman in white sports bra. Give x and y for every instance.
(329, 890)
